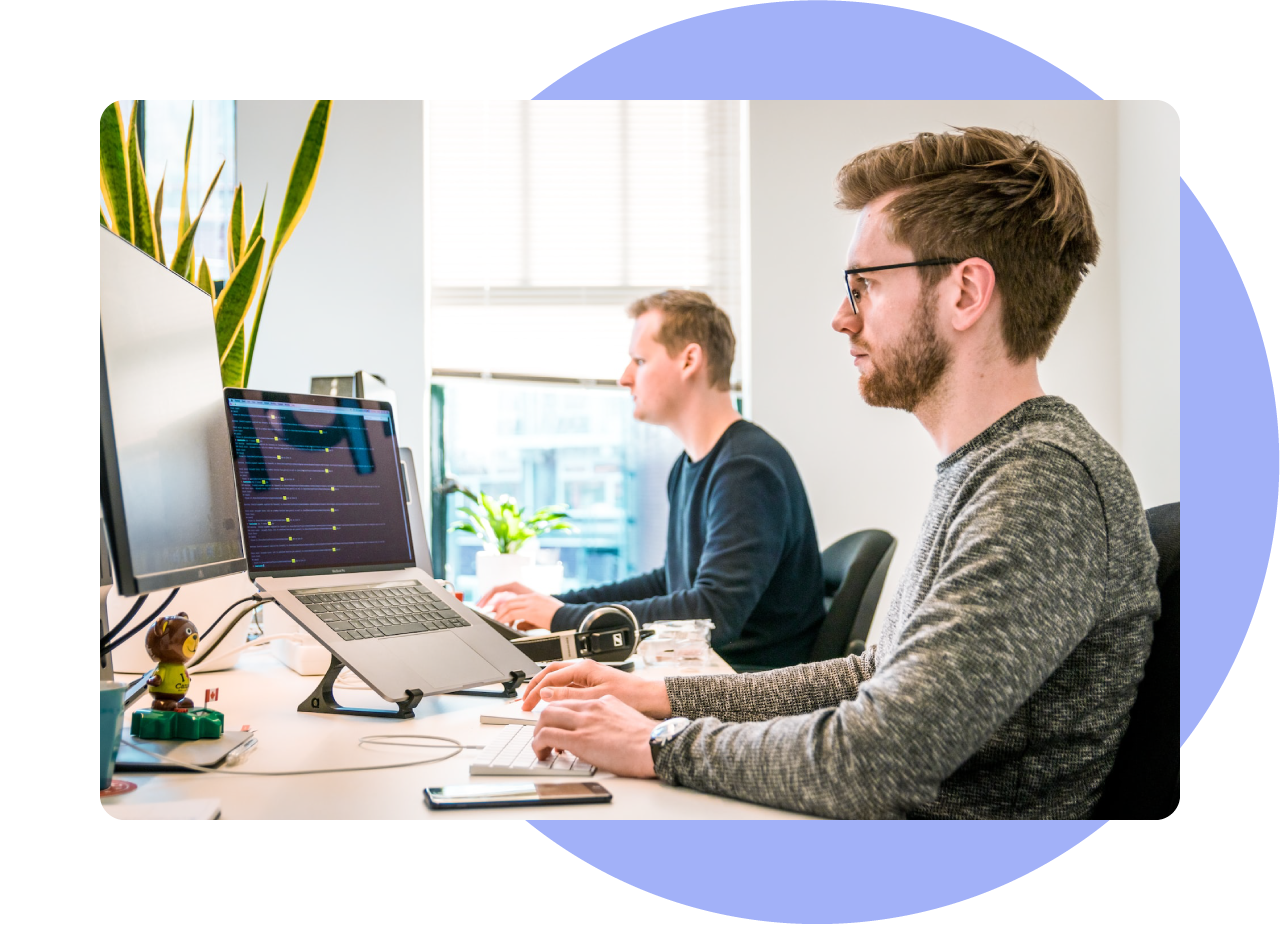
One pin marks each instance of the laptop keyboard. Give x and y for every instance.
(374, 612)
(511, 754)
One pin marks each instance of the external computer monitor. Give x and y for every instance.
(168, 481)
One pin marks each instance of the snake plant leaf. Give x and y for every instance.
(203, 278)
(231, 309)
(113, 172)
(235, 228)
(156, 212)
(102, 218)
(233, 368)
(184, 216)
(297, 196)
(256, 231)
(144, 229)
(183, 262)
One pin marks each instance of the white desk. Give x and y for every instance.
(265, 694)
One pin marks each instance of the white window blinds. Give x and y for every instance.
(548, 218)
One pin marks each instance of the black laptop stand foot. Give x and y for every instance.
(508, 691)
(321, 701)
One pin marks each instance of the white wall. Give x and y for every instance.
(871, 467)
(347, 292)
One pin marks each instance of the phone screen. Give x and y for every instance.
(516, 794)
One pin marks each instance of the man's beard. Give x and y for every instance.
(905, 375)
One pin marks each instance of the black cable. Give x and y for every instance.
(209, 645)
(112, 633)
(141, 626)
(260, 599)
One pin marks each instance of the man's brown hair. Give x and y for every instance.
(690, 317)
(981, 192)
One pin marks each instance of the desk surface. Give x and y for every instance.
(264, 694)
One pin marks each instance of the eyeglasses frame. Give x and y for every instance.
(935, 262)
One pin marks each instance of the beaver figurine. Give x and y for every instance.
(171, 641)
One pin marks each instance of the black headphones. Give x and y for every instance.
(611, 634)
(607, 634)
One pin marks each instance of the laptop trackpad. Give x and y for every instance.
(445, 659)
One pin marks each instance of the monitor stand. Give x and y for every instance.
(322, 699)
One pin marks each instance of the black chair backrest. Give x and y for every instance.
(853, 571)
(1144, 784)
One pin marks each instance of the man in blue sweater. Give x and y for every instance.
(741, 547)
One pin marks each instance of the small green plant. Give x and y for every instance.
(502, 525)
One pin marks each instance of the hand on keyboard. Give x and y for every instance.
(510, 753)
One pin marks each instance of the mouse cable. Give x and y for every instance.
(107, 647)
(133, 611)
(457, 747)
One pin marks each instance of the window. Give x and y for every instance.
(213, 141)
(546, 220)
(556, 444)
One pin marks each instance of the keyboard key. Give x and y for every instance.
(402, 630)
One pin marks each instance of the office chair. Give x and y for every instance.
(1144, 782)
(853, 571)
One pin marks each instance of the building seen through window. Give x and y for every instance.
(547, 444)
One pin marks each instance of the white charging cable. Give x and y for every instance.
(364, 741)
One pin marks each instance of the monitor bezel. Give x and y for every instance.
(332, 401)
(111, 497)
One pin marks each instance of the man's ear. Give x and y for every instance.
(691, 360)
(971, 288)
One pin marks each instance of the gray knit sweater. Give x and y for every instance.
(1007, 664)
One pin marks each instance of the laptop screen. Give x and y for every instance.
(319, 483)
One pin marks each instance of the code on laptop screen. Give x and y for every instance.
(319, 485)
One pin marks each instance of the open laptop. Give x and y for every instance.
(327, 535)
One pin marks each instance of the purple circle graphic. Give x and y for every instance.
(816, 50)
(811, 871)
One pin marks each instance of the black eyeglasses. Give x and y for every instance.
(858, 271)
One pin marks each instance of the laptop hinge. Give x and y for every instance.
(322, 700)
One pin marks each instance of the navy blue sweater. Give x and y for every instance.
(741, 551)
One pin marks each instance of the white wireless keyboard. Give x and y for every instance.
(511, 754)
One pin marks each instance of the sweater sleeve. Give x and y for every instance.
(1019, 584)
(766, 694)
(745, 537)
(577, 604)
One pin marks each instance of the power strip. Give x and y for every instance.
(305, 658)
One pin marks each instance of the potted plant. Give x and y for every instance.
(505, 530)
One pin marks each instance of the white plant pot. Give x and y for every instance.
(498, 569)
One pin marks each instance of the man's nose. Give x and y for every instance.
(846, 321)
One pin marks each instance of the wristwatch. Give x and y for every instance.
(664, 732)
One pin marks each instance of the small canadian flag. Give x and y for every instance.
(210, 695)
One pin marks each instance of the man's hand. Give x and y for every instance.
(511, 587)
(606, 732)
(563, 682)
(526, 611)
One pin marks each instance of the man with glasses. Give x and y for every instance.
(1011, 654)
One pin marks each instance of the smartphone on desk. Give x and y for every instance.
(473, 796)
